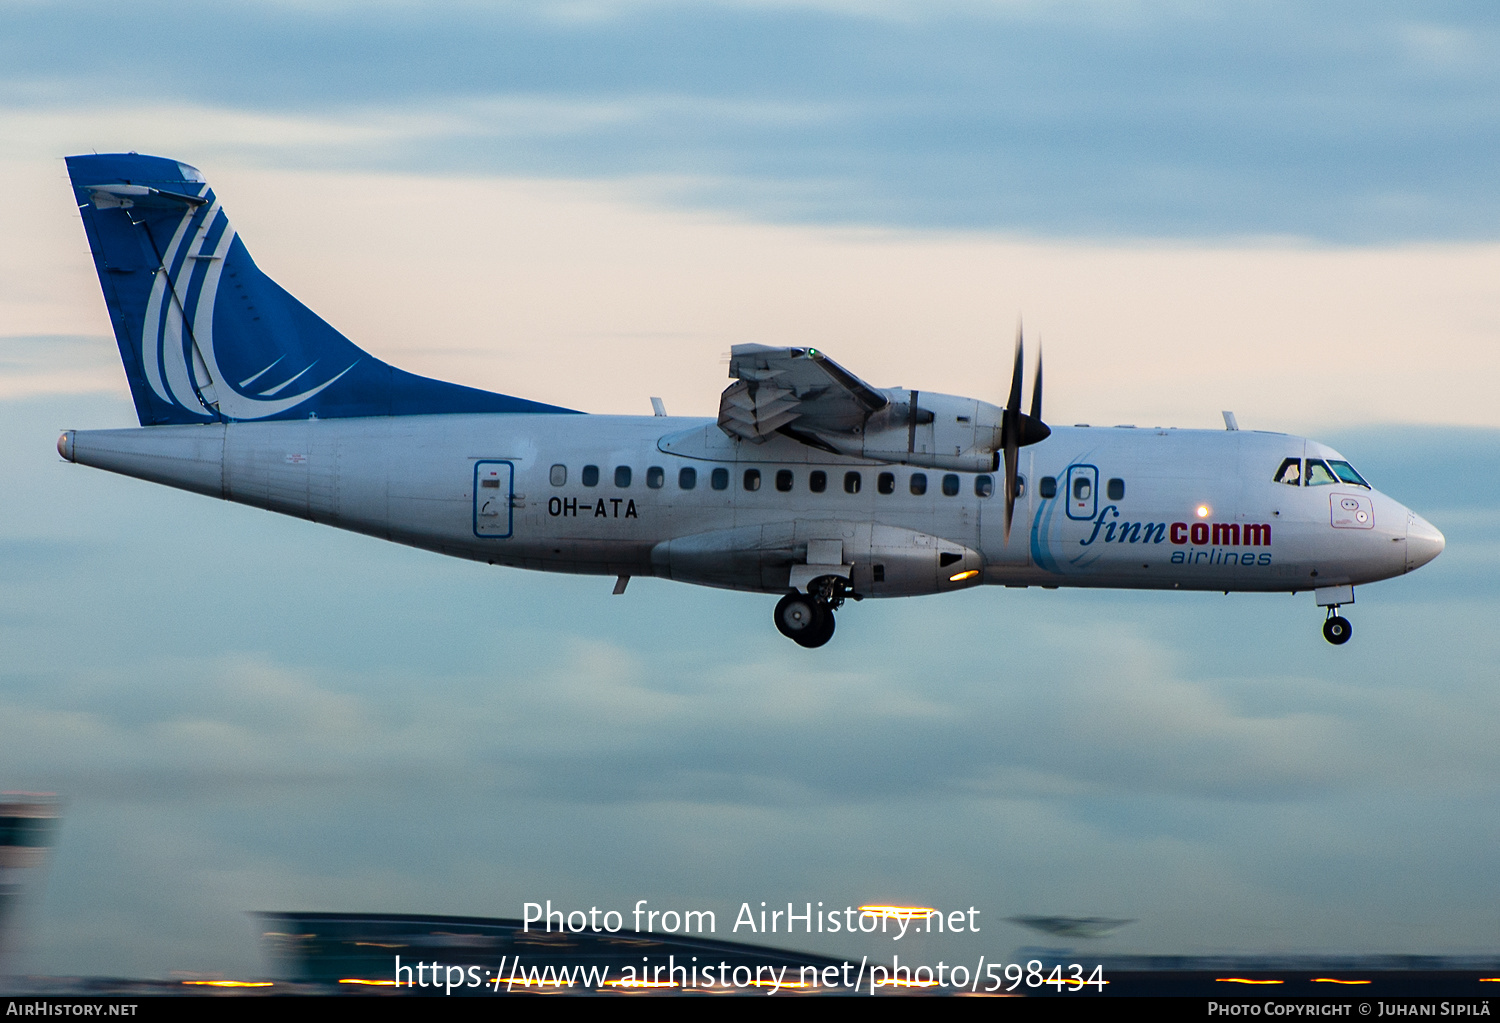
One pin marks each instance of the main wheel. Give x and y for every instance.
(1337, 630)
(821, 632)
(797, 616)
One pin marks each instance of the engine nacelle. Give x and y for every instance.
(921, 428)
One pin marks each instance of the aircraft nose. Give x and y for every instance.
(1423, 542)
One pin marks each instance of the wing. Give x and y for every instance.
(797, 391)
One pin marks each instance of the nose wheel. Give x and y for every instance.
(1337, 629)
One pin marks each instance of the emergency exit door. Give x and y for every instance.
(1083, 491)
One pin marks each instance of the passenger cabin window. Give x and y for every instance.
(559, 475)
(851, 482)
(1290, 473)
(1318, 473)
(784, 480)
(622, 476)
(590, 475)
(719, 479)
(687, 478)
(1048, 488)
(984, 486)
(950, 485)
(919, 483)
(752, 479)
(1082, 488)
(1115, 489)
(655, 477)
(886, 483)
(817, 481)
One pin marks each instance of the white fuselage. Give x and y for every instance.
(1199, 509)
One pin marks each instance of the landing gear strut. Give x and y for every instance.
(807, 618)
(1337, 629)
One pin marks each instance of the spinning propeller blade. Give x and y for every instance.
(1036, 388)
(1018, 429)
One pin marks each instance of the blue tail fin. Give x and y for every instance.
(205, 336)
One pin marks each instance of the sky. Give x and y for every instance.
(1283, 211)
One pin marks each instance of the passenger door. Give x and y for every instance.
(493, 482)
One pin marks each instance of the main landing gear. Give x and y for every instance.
(807, 618)
(1337, 629)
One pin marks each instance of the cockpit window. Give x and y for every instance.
(1346, 472)
(1318, 473)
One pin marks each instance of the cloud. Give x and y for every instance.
(1337, 123)
(589, 203)
(246, 711)
(622, 723)
(498, 283)
(58, 364)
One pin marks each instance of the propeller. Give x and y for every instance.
(1017, 429)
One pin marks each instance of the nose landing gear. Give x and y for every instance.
(1337, 629)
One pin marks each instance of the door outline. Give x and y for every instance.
(503, 493)
(1091, 473)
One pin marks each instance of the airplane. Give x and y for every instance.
(810, 485)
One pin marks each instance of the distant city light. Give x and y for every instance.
(906, 912)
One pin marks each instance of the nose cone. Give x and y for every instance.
(1423, 542)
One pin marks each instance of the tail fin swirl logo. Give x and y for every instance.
(206, 336)
(183, 366)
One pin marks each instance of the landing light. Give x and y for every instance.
(961, 576)
(1203, 511)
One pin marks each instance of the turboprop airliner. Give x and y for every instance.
(810, 485)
